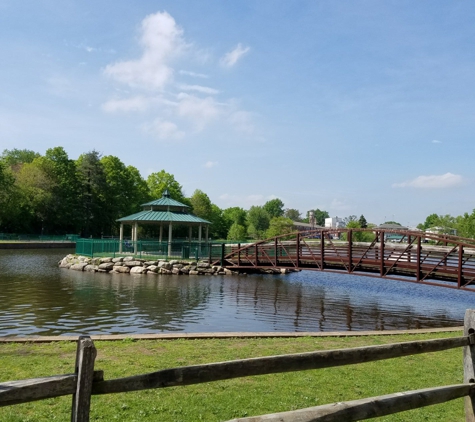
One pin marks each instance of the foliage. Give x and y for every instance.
(160, 181)
(15, 156)
(201, 205)
(363, 222)
(235, 215)
(237, 232)
(258, 222)
(279, 226)
(293, 214)
(274, 208)
(319, 217)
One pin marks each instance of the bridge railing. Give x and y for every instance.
(425, 258)
(86, 382)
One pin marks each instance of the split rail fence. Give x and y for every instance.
(86, 382)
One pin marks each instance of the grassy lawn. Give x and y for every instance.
(224, 400)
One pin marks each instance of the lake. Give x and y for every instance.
(38, 298)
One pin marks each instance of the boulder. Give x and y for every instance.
(106, 266)
(91, 268)
(122, 269)
(78, 267)
(138, 270)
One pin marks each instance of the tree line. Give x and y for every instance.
(52, 194)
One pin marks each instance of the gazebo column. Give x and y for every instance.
(136, 230)
(121, 236)
(207, 233)
(170, 228)
(199, 239)
(161, 234)
(190, 233)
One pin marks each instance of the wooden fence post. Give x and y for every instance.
(469, 363)
(85, 356)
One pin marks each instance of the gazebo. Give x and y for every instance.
(163, 211)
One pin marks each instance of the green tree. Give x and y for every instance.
(15, 156)
(465, 225)
(362, 221)
(235, 215)
(293, 214)
(320, 216)
(8, 196)
(219, 225)
(160, 181)
(201, 205)
(274, 208)
(258, 218)
(36, 195)
(65, 209)
(279, 226)
(237, 232)
(93, 195)
(431, 221)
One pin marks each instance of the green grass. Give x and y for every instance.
(224, 400)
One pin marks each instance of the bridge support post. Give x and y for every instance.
(381, 253)
(418, 263)
(322, 250)
(223, 246)
(239, 254)
(298, 250)
(350, 250)
(460, 264)
(469, 363)
(276, 261)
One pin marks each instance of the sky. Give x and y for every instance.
(361, 107)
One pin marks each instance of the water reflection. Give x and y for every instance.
(36, 297)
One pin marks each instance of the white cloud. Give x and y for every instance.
(129, 104)
(231, 58)
(193, 74)
(242, 121)
(435, 141)
(338, 205)
(199, 88)
(210, 164)
(447, 180)
(164, 130)
(200, 110)
(161, 40)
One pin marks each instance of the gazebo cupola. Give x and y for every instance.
(162, 212)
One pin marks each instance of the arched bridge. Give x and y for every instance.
(414, 256)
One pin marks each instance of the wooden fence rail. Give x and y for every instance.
(86, 382)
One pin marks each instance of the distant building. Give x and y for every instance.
(334, 223)
(442, 230)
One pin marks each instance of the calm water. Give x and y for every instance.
(38, 298)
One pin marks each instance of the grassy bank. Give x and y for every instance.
(223, 400)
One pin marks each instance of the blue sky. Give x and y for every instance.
(354, 107)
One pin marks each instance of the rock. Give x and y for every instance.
(176, 270)
(153, 269)
(122, 269)
(128, 258)
(138, 270)
(148, 263)
(78, 267)
(165, 271)
(203, 265)
(104, 260)
(133, 263)
(106, 266)
(117, 259)
(193, 272)
(91, 268)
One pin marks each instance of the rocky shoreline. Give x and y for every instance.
(131, 265)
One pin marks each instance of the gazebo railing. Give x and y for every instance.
(144, 248)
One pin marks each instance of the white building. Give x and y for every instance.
(334, 223)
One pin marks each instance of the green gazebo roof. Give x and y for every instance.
(164, 210)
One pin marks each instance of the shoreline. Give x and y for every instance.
(225, 335)
(37, 245)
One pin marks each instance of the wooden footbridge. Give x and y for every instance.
(414, 256)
